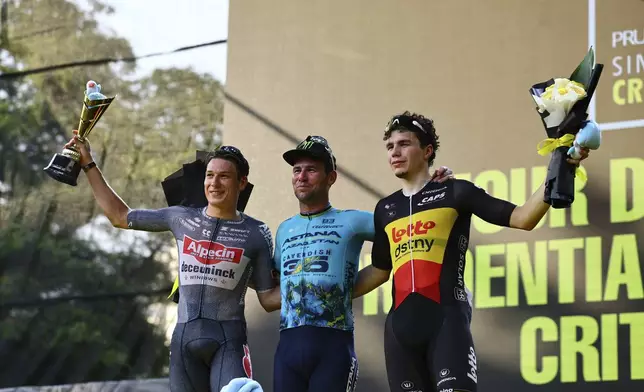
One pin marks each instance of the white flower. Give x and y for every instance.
(558, 99)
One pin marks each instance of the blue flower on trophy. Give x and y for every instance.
(93, 91)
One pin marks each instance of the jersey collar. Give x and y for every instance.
(240, 217)
(316, 213)
(418, 191)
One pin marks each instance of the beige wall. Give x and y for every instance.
(342, 68)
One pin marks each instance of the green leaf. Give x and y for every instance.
(585, 69)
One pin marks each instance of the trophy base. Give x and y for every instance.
(63, 168)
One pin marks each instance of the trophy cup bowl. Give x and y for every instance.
(65, 166)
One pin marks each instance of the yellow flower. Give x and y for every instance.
(564, 91)
(559, 98)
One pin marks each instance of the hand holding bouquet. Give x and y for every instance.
(562, 105)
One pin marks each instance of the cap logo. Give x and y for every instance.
(318, 139)
(305, 145)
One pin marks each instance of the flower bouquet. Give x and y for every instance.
(562, 104)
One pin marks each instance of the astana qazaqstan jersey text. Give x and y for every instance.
(317, 257)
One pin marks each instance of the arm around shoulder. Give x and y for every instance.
(369, 278)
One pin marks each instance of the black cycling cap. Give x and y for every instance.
(315, 147)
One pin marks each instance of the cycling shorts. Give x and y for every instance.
(205, 355)
(429, 348)
(315, 359)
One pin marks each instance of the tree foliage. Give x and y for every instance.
(57, 252)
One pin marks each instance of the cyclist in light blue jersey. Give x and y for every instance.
(317, 256)
(318, 261)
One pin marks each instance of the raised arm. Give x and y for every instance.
(503, 213)
(528, 215)
(112, 205)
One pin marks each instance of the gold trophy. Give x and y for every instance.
(65, 167)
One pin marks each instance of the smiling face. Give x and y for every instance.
(406, 156)
(311, 182)
(222, 184)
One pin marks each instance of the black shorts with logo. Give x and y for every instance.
(205, 355)
(315, 359)
(423, 239)
(429, 348)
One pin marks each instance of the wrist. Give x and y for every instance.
(86, 159)
(88, 166)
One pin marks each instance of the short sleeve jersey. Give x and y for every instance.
(217, 259)
(423, 238)
(317, 257)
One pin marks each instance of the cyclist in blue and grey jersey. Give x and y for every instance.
(221, 252)
(317, 256)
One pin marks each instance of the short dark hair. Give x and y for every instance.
(231, 154)
(420, 126)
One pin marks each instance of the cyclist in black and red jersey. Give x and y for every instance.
(422, 234)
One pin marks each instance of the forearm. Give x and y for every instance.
(527, 216)
(369, 278)
(112, 205)
(270, 300)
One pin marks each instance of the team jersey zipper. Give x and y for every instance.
(302, 261)
(411, 249)
(215, 231)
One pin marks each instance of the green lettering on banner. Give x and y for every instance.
(531, 370)
(582, 349)
(619, 190)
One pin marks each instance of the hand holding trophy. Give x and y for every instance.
(65, 167)
(562, 104)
